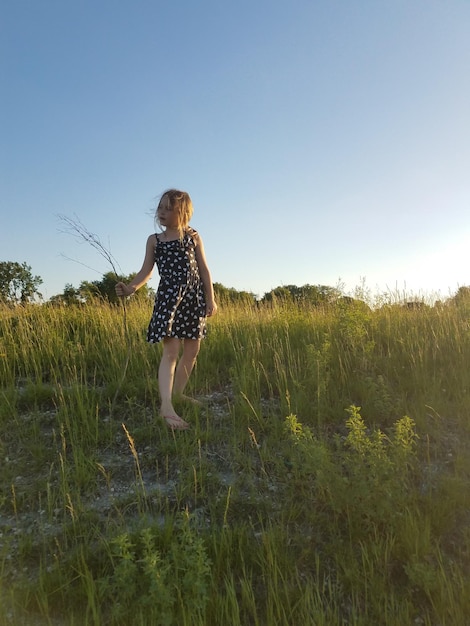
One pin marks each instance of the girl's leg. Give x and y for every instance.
(166, 376)
(186, 364)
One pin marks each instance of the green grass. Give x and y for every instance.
(324, 481)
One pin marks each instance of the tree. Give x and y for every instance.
(231, 295)
(311, 294)
(461, 300)
(105, 288)
(17, 284)
(284, 294)
(462, 296)
(70, 295)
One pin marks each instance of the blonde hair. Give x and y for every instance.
(181, 204)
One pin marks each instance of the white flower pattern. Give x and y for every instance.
(180, 307)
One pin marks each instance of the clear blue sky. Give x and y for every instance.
(322, 141)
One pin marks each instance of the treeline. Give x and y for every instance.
(89, 292)
(18, 286)
(104, 290)
(309, 294)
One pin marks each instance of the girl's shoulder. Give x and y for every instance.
(152, 239)
(193, 234)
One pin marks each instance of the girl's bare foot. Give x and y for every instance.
(175, 422)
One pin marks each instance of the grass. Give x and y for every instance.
(324, 481)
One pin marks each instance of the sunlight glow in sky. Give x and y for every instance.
(322, 142)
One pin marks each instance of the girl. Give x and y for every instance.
(185, 297)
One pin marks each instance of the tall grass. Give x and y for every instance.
(324, 481)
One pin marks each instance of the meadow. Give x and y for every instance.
(324, 480)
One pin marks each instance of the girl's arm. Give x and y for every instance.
(211, 306)
(143, 275)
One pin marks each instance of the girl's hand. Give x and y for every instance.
(211, 309)
(123, 290)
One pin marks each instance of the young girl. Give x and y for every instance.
(185, 297)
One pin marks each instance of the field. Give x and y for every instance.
(324, 481)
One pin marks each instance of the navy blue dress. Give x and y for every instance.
(180, 306)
